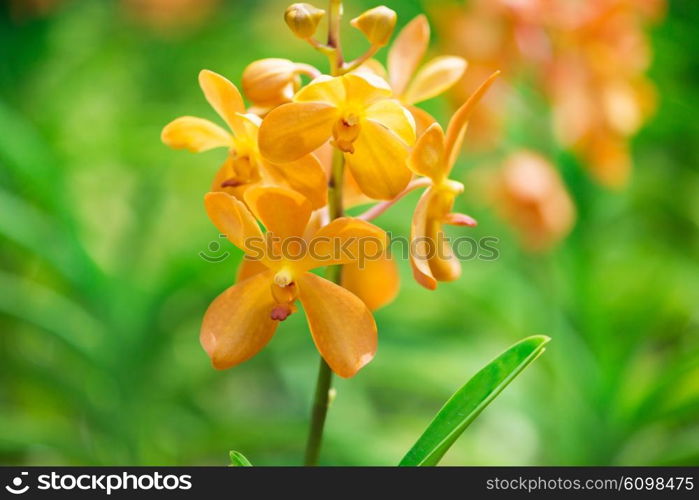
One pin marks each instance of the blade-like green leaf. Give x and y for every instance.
(469, 401)
(238, 459)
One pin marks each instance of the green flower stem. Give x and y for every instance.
(334, 16)
(320, 411)
(321, 401)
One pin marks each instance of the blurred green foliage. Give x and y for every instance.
(102, 287)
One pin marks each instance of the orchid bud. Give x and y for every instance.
(270, 82)
(303, 19)
(377, 24)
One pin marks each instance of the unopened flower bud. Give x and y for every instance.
(377, 24)
(270, 82)
(303, 19)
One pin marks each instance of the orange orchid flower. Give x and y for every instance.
(244, 167)
(434, 155)
(241, 320)
(357, 111)
(377, 281)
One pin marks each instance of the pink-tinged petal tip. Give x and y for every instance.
(455, 219)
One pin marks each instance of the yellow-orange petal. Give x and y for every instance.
(237, 324)
(326, 89)
(427, 157)
(373, 67)
(352, 196)
(306, 176)
(285, 213)
(249, 126)
(422, 119)
(345, 240)
(295, 129)
(364, 89)
(376, 283)
(342, 327)
(194, 134)
(421, 247)
(434, 78)
(459, 120)
(445, 266)
(249, 267)
(406, 52)
(233, 219)
(393, 115)
(223, 96)
(378, 163)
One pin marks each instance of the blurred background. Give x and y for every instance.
(583, 162)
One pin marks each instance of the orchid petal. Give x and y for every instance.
(406, 52)
(459, 120)
(305, 176)
(224, 97)
(233, 219)
(283, 212)
(434, 78)
(345, 240)
(248, 268)
(342, 326)
(378, 163)
(376, 282)
(325, 89)
(421, 247)
(237, 324)
(393, 115)
(195, 134)
(427, 157)
(365, 89)
(422, 119)
(295, 129)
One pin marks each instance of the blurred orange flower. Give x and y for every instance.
(530, 195)
(588, 57)
(164, 15)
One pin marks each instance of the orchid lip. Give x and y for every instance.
(280, 312)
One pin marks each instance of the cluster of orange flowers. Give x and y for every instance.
(284, 168)
(589, 57)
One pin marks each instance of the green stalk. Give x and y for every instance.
(321, 400)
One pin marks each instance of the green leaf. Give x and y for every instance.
(469, 401)
(238, 459)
